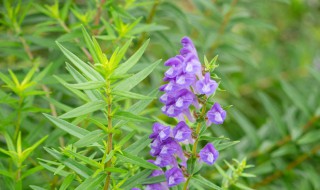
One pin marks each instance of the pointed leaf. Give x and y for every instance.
(128, 116)
(91, 182)
(126, 157)
(82, 66)
(90, 138)
(205, 182)
(84, 109)
(132, 95)
(87, 85)
(129, 83)
(126, 66)
(67, 181)
(68, 127)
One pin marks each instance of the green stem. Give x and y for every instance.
(18, 123)
(195, 145)
(109, 140)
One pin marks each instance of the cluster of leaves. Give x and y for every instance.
(269, 65)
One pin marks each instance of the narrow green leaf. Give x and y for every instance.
(78, 93)
(273, 112)
(295, 97)
(90, 45)
(87, 85)
(31, 171)
(128, 116)
(84, 109)
(241, 186)
(126, 66)
(205, 182)
(29, 150)
(122, 52)
(54, 170)
(310, 137)
(226, 145)
(131, 95)
(90, 138)
(36, 187)
(91, 182)
(129, 83)
(126, 157)
(72, 164)
(85, 159)
(68, 127)
(126, 138)
(136, 179)
(152, 180)
(9, 142)
(92, 94)
(139, 145)
(67, 181)
(116, 170)
(82, 66)
(247, 126)
(7, 80)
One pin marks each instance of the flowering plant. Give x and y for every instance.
(186, 97)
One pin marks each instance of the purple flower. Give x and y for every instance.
(163, 161)
(192, 65)
(171, 110)
(170, 147)
(206, 85)
(160, 131)
(209, 154)
(184, 81)
(181, 132)
(216, 114)
(135, 188)
(174, 176)
(188, 48)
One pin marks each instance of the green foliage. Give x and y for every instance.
(268, 65)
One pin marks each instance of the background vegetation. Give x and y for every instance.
(269, 57)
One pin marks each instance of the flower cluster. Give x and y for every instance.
(186, 83)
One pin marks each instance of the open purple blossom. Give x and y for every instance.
(170, 147)
(174, 176)
(206, 86)
(209, 154)
(181, 132)
(216, 114)
(163, 161)
(160, 131)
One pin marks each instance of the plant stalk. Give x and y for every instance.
(109, 140)
(194, 148)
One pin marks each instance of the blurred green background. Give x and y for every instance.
(269, 57)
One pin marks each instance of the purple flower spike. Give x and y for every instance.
(174, 176)
(181, 132)
(209, 154)
(216, 114)
(206, 85)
